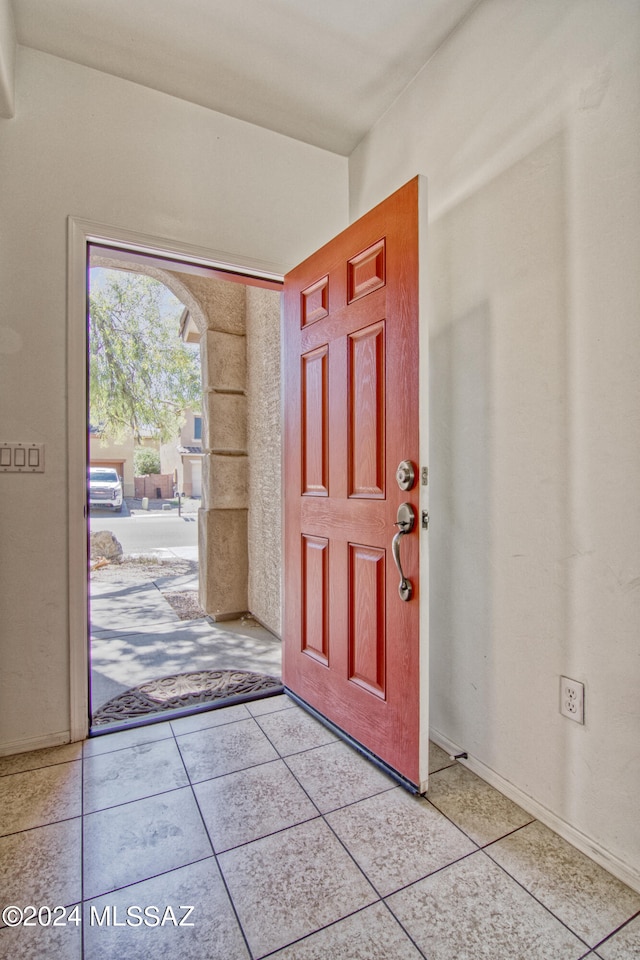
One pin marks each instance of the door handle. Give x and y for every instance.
(405, 523)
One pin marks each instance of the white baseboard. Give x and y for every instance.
(623, 871)
(34, 743)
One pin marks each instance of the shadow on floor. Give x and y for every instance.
(137, 636)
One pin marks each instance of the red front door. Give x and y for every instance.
(352, 645)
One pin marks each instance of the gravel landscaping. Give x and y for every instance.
(144, 570)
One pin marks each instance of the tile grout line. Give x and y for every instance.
(142, 743)
(617, 930)
(479, 849)
(327, 926)
(322, 817)
(169, 721)
(533, 896)
(38, 826)
(351, 803)
(214, 726)
(447, 766)
(265, 836)
(510, 833)
(432, 873)
(44, 766)
(137, 800)
(152, 876)
(404, 929)
(147, 796)
(50, 823)
(215, 855)
(482, 848)
(381, 899)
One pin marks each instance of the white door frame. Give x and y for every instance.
(80, 233)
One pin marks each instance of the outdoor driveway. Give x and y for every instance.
(150, 532)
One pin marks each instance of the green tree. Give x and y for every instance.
(142, 376)
(145, 461)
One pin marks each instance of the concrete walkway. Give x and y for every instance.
(136, 636)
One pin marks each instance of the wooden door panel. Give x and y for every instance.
(366, 439)
(315, 302)
(315, 598)
(367, 618)
(351, 645)
(366, 271)
(314, 402)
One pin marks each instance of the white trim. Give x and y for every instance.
(76, 479)
(80, 233)
(617, 867)
(423, 491)
(34, 743)
(105, 235)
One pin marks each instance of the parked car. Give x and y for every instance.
(105, 488)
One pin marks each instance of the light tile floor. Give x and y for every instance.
(287, 844)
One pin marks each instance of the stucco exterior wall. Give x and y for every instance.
(222, 527)
(264, 447)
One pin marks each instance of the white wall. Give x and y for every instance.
(527, 124)
(94, 147)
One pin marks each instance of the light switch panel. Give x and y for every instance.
(21, 457)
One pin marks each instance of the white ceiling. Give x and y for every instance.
(322, 71)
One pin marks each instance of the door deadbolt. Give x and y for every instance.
(406, 475)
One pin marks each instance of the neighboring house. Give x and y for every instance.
(106, 453)
(184, 458)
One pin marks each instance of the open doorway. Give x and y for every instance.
(230, 462)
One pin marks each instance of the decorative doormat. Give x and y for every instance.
(182, 690)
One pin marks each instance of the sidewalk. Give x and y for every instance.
(137, 636)
(189, 505)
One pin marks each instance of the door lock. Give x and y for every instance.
(406, 475)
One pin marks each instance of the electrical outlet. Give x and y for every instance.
(572, 699)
